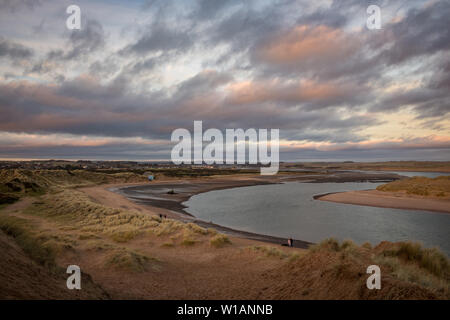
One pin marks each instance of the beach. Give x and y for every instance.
(396, 200)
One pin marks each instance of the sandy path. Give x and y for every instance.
(396, 200)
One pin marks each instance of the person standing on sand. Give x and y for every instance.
(290, 242)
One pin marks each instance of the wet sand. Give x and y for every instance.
(396, 200)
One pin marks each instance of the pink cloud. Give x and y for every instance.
(307, 45)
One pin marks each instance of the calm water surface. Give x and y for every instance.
(288, 210)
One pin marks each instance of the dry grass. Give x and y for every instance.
(124, 236)
(430, 260)
(272, 252)
(332, 244)
(188, 242)
(90, 218)
(432, 187)
(31, 243)
(15, 183)
(76, 219)
(168, 245)
(219, 241)
(407, 261)
(128, 260)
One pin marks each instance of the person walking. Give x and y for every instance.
(291, 242)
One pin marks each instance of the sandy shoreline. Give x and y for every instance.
(158, 200)
(395, 200)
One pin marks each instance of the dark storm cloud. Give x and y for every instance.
(81, 43)
(144, 65)
(423, 31)
(14, 50)
(85, 106)
(159, 38)
(430, 100)
(244, 27)
(111, 151)
(203, 82)
(426, 102)
(338, 14)
(441, 76)
(210, 9)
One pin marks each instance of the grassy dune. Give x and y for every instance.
(408, 261)
(68, 218)
(337, 270)
(55, 223)
(16, 183)
(430, 187)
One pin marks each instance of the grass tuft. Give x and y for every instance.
(219, 241)
(128, 260)
(432, 260)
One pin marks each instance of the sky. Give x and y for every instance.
(137, 70)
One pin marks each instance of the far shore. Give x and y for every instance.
(395, 200)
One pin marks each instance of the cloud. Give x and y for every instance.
(14, 50)
(423, 31)
(15, 5)
(69, 108)
(306, 93)
(311, 69)
(159, 38)
(305, 45)
(81, 43)
(210, 9)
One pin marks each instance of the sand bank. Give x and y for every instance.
(396, 200)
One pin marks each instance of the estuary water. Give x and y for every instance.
(289, 210)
